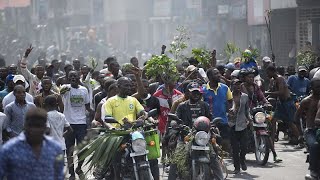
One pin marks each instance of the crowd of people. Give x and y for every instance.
(63, 99)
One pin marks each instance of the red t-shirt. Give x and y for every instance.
(165, 107)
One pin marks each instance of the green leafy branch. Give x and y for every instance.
(203, 56)
(306, 58)
(230, 49)
(179, 43)
(162, 66)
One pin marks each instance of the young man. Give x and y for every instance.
(123, 107)
(17, 80)
(58, 124)
(32, 155)
(46, 85)
(188, 112)
(219, 98)
(193, 108)
(33, 79)
(16, 111)
(76, 102)
(299, 84)
(253, 91)
(166, 97)
(285, 108)
(310, 109)
(239, 118)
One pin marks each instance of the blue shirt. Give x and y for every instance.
(16, 114)
(18, 162)
(218, 100)
(246, 65)
(299, 86)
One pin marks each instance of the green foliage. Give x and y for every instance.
(203, 56)
(230, 49)
(101, 150)
(306, 58)
(162, 66)
(180, 158)
(93, 62)
(179, 43)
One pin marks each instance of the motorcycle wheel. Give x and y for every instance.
(262, 149)
(144, 174)
(202, 172)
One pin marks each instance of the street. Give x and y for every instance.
(293, 166)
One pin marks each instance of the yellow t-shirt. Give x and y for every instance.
(120, 108)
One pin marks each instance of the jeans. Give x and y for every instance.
(314, 149)
(76, 136)
(239, 142)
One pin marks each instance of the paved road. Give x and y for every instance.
(293, 166)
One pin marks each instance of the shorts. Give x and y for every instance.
(285, 110)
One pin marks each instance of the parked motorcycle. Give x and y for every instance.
(134, 161)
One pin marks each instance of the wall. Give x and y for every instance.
(283, 28)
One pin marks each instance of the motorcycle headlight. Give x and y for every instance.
(260, 117)
(139, 145)
(202, 138)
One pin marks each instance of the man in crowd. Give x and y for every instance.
(299, 84)
(193, 108)
(239, 118)
(16, 110)
(310, 109)
(219, 98)
(32, 155)
(58, 124)
(17, 80)
(76, 102)
(46, 85)
(129, 107)
(33, 79)
(285, 108)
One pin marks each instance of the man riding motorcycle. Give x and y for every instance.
(124, 109)
(189, 111)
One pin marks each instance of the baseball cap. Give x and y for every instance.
(235, 73)
(191, 68)
(302, 68)
(18, 78)
(193, 86)
(230, 66)
(266, 59)
(9, 78)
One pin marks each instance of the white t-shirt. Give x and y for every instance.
(57, 122)
(74, 104)
(10, 98)
(2, 125)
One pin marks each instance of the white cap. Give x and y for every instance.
(18, 78)
(266, 59)
(235, 73)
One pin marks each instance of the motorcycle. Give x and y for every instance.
(260, 134)
(201, 146)
(134, 161)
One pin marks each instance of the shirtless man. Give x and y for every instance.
(308, 109)
(285, 108)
